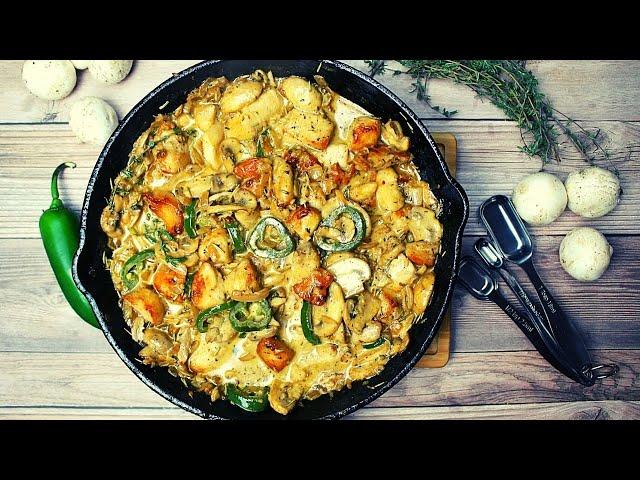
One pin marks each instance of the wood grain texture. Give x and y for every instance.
(34, 315)
(608, 84)
(602, 410)
(488, 158)
(53, 365)
(102, 380)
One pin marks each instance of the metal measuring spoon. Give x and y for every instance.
(512, 239)
(493, 258)
(482, 285)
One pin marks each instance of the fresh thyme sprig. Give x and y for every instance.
(510, 86)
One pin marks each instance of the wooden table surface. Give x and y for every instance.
(53, 365)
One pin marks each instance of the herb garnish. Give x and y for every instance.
(510, 86)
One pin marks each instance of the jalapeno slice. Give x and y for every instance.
(375, 344)
(205, 314)
(235, 232)
(307, 324)
(190, 219)
(260, 245)
(331, 223)
(250, 316)
(129, 276)
(251, 400)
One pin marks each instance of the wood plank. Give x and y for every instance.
(603, 410)
(585, 90)
(37, 317)
(102, 380)
(29, 153)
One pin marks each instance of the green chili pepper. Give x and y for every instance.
(251, 400)
(60, 232)
(375, 344)
(190, 219)
(129, 276)
(307, 324)
(187, 284)
(235, 232)
(257, 236)
(338, 246)
(250, 316)
(205, 314)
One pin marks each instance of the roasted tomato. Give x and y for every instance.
(147, 303)
(255, 174)
(166, 206)
(314, 288)
(274, 352)
(169, 281)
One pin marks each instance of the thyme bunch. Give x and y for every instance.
(510, 86)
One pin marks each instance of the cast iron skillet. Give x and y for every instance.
(94, 280)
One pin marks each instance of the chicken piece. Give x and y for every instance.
(242, 279)
(169, 281)
(167, 208)
(147, 304)
(304, 221)
(206, 288)
(216, 245)
(364, 132)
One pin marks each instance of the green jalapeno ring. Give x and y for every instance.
(257, 234)
(235, 232)
(375, 344)
(358, 236)
(250, 316)
(247, 400)
(190, 219)
(205, 314)
(128, 275)
(307, 324)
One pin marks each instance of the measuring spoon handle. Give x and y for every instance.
(553, 356)
(563, 330)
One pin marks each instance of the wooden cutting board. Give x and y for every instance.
(437, 355)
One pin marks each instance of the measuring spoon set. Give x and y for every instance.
(550, 331)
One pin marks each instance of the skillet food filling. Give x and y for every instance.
(272, 241)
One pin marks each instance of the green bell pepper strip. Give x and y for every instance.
(307, 324)
(205, 314)
(188, 283)
(190, 219)
(375, 344)
(260, 148)
(249, 401)
(257, 235)
(358, 236)
(235, 232)
(60, 232)
(128, 274)
(250, 316)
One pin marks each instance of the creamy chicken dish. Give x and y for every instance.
(272, 241)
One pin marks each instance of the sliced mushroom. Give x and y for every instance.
(350, 273)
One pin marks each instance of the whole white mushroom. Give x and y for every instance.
(49, 79)
(585, 254)
(81, 64)
(110, 71)
(539, 198)
(93, 120)
(592, 192)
